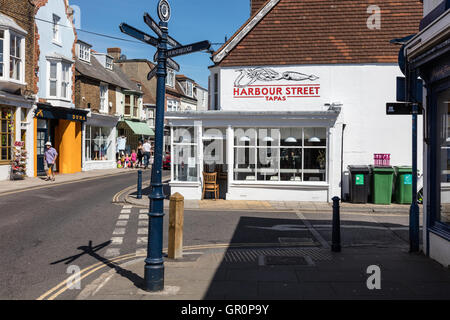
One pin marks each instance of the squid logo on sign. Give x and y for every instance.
(245, 87)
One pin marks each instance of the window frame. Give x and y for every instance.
(256, 149)
(170, 79)
(60, 64)
(3, 55)
(104, 101)
(109, 63)
(56, 35)
(21, 57)
(84, 52)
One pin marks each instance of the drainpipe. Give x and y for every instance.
(342, 161)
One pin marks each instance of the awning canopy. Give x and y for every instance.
(140, 128)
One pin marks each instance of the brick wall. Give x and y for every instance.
(90, 90)
(22, 11)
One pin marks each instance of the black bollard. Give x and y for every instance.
(336, 234)
(139, 185)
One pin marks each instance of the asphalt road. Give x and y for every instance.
(41, 227)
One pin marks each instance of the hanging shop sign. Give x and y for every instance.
(257, 83)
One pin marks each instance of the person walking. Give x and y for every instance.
(147, 149)
(140, 154)
(50, 156)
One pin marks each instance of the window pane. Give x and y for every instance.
(244, 164)
(291, 137)
(12, 45)
(1, 53)
(53, 88)
(291, 164)
(268, 163)
(444, 158)
(52, 70)
(185, 163)
(184, 135)
(245, 137)
(64, 90)
(269, 137)
(315, 136)
(315, 162)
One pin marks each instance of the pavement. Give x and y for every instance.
(296, 268)
(130, 197)
(36, 182)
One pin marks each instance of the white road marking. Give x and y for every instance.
(117, 240)
(143, 231)
(143, 223)
(119, 231)
(112, 252)
(121, 223)
(143, 216)
(143, 210)
(141, 240)
(125, 211)
(127, 206)
(124, 217)
(313, 231)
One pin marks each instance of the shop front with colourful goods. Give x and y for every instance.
(63, 128)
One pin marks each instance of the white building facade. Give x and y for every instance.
(287, 131)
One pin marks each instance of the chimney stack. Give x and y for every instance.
(115, 53)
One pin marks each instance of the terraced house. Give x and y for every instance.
(17, 83)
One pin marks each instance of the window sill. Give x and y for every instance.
(58, 43)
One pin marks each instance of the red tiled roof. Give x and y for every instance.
(324, 32)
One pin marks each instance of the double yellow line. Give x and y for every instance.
(57, 290)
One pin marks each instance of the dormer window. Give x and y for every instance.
(109, 63)
(84, 52)
(189, 89)
(56, 28)
(170, 79)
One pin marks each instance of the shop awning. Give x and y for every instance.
(140, 128)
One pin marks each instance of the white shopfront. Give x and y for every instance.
(288, 133)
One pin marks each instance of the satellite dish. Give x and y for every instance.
(123, 57)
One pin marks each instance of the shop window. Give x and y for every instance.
(98, 144)
(443, 101)
(184, 156)
(286, 154)
(6, 133)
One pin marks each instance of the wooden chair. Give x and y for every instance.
(210, 184)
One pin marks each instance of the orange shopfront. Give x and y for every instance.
(63, 128)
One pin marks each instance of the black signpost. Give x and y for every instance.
(412, 106)
(154, 263)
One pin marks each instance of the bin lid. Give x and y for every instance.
(382, 169)
(359, 168)
(403, 169)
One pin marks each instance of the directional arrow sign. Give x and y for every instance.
(152, 73)
(173, 65)
(152, 24)
(172, 42)
(400, 108)
(198, 46)
(138, 34)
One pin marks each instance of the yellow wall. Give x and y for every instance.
(35, 146)
(68, 145)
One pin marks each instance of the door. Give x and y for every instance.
(41, 139)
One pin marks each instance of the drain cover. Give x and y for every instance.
(285, 260)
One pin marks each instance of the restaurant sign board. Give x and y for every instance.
(270, 85)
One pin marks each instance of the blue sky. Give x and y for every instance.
(191, 21)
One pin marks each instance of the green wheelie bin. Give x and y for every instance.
(382, 179)
(403, 184)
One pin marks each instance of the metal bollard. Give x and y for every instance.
(336, 233)
(139, 185)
